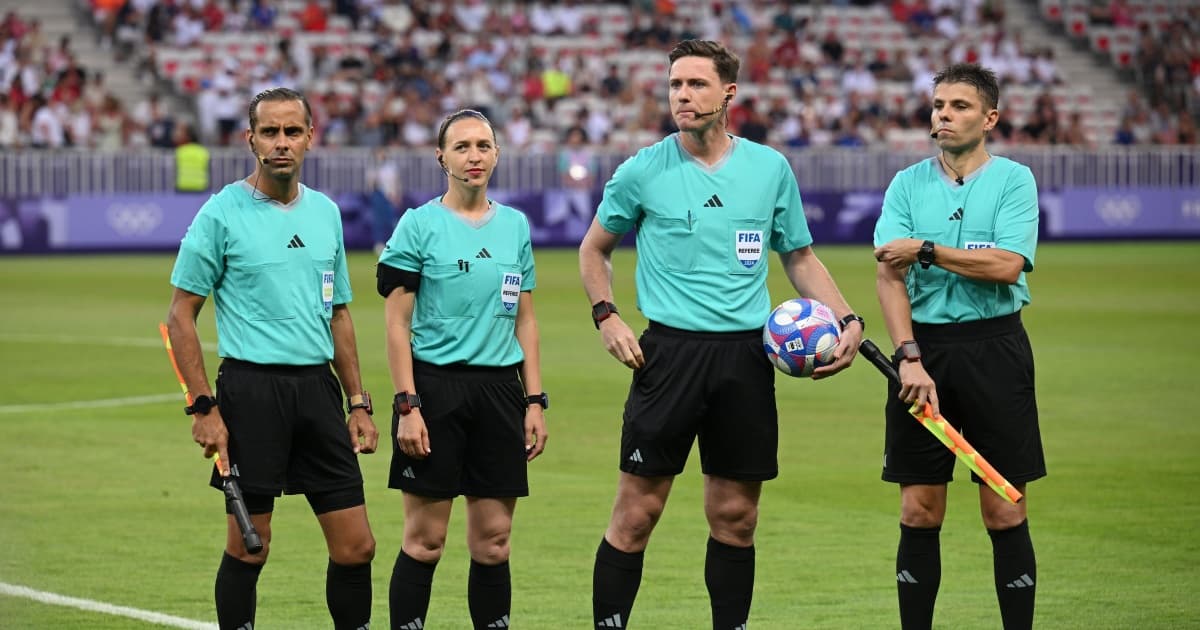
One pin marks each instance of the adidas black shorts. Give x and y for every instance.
(287, 429)
(719, 387)
(476, 422)
(984, 376)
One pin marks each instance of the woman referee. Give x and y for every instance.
(458, 277)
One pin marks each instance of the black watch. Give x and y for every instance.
(601, 311)
(845, 321)
(925, 254)
(363, 402)
(201, 405)
(404, 403)
(538, 399)
(908, 351)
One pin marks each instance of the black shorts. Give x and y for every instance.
(287, 429)
(476, 422)
(983, 371)
(719, 387)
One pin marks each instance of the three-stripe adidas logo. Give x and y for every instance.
(499, 623)
(636, 456)
(714, 202)
(415, 624)
(483, 253)
(906, 577)
(408, 472)
(612, 622)
(295, 242)
(249, 626)
(744, 626)
(1022, 582)
(957, 216)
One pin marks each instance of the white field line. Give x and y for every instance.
(149, 341)
(149, 616)
(92, 404)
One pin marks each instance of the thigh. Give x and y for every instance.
(494, 462)
(260, 433)
(739, 435)
(322, 453)
(663, 410)
(445, 409)
(996, 403)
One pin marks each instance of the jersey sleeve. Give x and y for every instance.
(403, 249)
(342, 292)
(201, 259)
(1017, 217)
(895, 221)
(620, 209)
(528, 272)
(789, 227)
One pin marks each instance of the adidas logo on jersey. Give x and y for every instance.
(408, 472)
(957, 216)
(483, 253)
(295, 242)
(714, 202)
(636, 457)
(612, 622)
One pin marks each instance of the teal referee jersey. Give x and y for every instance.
(703, 231)
(472, 276)
(997, 206)
(275, 272)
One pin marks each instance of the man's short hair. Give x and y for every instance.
(278, 94)
(975, 75)
(724, 60)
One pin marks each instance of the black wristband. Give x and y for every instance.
(845, 321)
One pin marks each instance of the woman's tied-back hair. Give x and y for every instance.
(459, 115)
(975, 75)
(726, 63)
(278, 94)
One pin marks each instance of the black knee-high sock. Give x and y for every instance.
(615, 581)
(408, 593)
(489, 595)
(918, 575)
(348, 595)
(236, 592)
(1016, 575)
(729, 576)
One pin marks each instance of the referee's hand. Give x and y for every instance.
(535, 432)
(209, 431)
(363, 434)
(412, 436)
(916, 386)
(620, 342)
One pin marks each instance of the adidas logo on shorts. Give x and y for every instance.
(408, 472)
(636, 457)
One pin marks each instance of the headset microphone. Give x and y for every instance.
(264, 160)
(718, 109)
(447, 171)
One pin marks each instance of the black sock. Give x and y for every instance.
(408, 593)
(615, 581)
(348, 595)
(1016, 575)
(236, 592)
(918, 575)
(489, 595)
(729, 576)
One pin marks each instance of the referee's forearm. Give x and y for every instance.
(345, 351)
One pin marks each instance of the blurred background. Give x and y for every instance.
(117, 117)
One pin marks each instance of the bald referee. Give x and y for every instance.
(270, 252)
(706, 206)
(956, 237)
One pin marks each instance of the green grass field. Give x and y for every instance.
(110, 503)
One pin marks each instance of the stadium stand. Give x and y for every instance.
(382, 73)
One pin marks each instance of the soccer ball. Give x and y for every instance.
(800, 335)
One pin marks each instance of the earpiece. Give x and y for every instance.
(442, 163)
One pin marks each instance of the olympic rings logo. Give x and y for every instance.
(134, 219)
(1118, 210)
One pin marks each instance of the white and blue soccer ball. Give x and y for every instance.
(801, 335)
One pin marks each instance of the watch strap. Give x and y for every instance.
(602, 310)
(845, 321)
(538, 399)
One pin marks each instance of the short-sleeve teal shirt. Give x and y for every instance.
(997, 206)
(275, 272)
(472, 275)
(703, 231)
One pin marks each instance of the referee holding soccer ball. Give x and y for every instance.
(706, 205)
(462, 341)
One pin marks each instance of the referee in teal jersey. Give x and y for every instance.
(706, 205)
(954, 242)
(458, 279)
(270, 252)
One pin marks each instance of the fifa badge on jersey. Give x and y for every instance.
(327, 291)
(510, 290)
(979, 245)
(749, 246)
